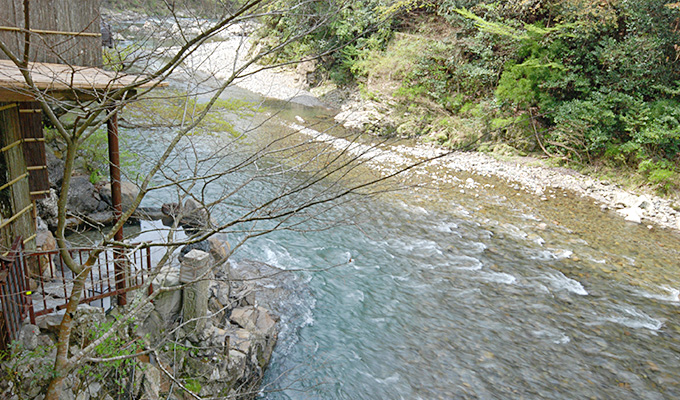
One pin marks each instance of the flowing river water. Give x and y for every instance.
(468, 289)
(462, 287)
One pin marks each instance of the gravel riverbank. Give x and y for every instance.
(634, 207)
(222, 57)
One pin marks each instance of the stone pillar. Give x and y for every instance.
(195, 297)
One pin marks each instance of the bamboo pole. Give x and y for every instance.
(49, 32)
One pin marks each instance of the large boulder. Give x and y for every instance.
(128, 191)
(83, 197)
(255, 319)
(168, 304)
(192, 216)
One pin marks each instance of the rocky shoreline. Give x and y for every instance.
(535, 179)
(354, 113)
(206, 336)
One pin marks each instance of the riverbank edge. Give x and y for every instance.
(531, 173)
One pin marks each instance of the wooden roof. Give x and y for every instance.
(62, 81)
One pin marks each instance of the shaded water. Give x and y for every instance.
(481, 293)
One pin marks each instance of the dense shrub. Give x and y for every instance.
(603, 77)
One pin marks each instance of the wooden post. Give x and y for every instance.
(15, 201)
(116, 199)
(193, 271)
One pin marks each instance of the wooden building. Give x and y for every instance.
(59, 33)
(62, 31)
(65, 56)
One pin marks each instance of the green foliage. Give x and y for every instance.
(172, 108)
(114, 346)
(28, 370)
(193, 385)
(602, 77)
(662, 174)
(115, 59)
(93, 154)
(348, 31)
(116, 372)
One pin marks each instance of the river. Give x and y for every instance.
(459, 288)
(456, 286)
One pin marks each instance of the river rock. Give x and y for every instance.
(632, 214)
(203, 246)
(149, 377)
(128, 191)
(55, 169)
(168, 304)
(306, 71)
(192, 215)
(45, 241)
(83, 198)
(48, 209)
(28, 336)
(218, 249)
(254, 319)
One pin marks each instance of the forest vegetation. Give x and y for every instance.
(589, 84)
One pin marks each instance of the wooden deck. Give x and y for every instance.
(62, 81)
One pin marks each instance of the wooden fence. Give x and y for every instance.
(62, 31)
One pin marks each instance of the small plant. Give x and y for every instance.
(29, 371)
(193, 385)
(661, 174)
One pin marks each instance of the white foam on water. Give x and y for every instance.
(513, 230)
(418, 210)
(389, 380)
(552, 254)
(465, 263)
(531, 217)
(562, 340)
(633, 318)
(556, 337)
(416, 246)
(447, 227)
(538, 240)
(672, 295)
(498, 277)
(475, 247)
(466, 293)
(562, 253)
(630, 260)
(558, 281)
(355, 297)
(400, 278)
(364, 267)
